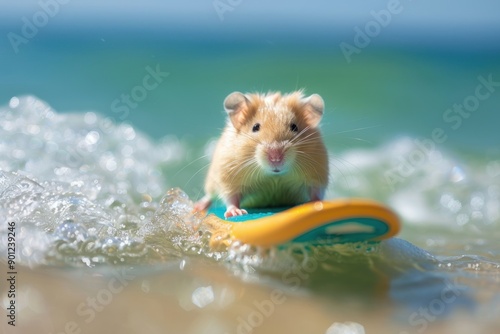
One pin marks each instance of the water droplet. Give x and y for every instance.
(203, 296)
(346, 327)
(92, 137)
(457, 174)
(111, 245)
(477, 215)
(493, 168)
(70, 232)
(477, 201)
(127, 150)
(14, 102)
(18, 154)
(145, 286)
(33, 129)
(111, 165)
(462, 219)
(128, 132)
(450, 203)
(90, 118)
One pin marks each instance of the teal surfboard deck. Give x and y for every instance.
(325, 222)
(252, 213)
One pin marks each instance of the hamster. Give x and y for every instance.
(270, 153)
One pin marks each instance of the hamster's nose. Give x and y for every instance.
(276, 156)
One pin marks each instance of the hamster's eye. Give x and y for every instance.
(256, 127)
(294, 127)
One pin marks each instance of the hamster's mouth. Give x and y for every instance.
(275, 159)
(275, 170)
(278, 170)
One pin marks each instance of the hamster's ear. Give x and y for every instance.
(312, 109)
(236, 105)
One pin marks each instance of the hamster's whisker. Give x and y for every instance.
(312, 165)
(254, 169)
(250, 170)
(343, 175)
(333, 134)
(360, 139)
(246, 135)
(304, 158)
(238, 169)
(304, 130)
(309, 138)
(310, 150)
(309, 162)
(242, 167)
(309, 146)
(244, 159)
(306, 170)
(249, 164)
(345, 162)
(197, 172)
(192, 162)
(298, 137)
(357, 129)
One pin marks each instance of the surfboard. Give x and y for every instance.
(320, 222)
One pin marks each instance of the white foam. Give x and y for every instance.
(86, 190)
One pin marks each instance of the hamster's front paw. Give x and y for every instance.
(233, 211)
(202, 204)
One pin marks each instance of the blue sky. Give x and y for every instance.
(457, 23)
(439, 13)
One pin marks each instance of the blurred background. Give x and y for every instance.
(384, 68)
(393, 73)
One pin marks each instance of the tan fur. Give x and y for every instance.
(238, 165)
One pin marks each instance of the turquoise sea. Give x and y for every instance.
(100, 120)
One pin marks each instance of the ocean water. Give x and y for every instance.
(100, 186)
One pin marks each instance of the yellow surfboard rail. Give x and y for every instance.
(285, 226)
